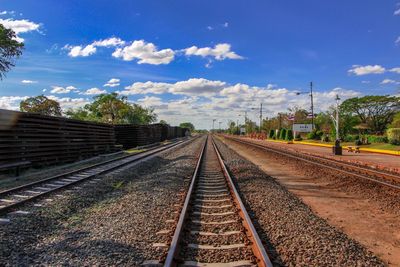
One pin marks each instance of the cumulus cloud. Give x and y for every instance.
(219, 52)
(69, 103)
(110, 42)
(397, 12)
(368, 69)
(112, 82)
(20, 26)
(396, 70)
(94, 91)
(388, 81)
(145, 53)
(80, 51)
(62, 90)
(28, 81)
(194, 86)
(11, 102)
(85, 51)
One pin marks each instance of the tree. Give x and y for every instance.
(41, 104)
(396, 121)
(163, 122)
(375, 111)
(188, 125)
(9, 49)
(115, 109)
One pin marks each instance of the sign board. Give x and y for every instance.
(302, 128)
(242, 130)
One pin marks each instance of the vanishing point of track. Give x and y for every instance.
(214, 228)
(15, 197)
(376, 176)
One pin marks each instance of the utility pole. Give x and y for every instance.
(337, 117)
(213, 124)
(337, 148)
(219, 126)
(312, 106)
(260, 116)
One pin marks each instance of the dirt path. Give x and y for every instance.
(360, 218)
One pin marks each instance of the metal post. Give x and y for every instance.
(213, 125)
(260, 116)
(337, 117)
(312, 105)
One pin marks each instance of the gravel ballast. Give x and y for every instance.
(292, 233)
(112, 221)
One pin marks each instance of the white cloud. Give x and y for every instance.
(210, 28)
(11, 102)
(44, 90)
(368, 69)
(397, 12)
(20, 26)
(69, 103)
(146, 53)
(397, 42)
(219, 52)
(110, 42)
(366, 82)
(194, 86)
(388, 81)
(28, 81)
(80, 51)
(94, 91)
(396, 70)
(226, 25)
(62, 90)
(112, 82)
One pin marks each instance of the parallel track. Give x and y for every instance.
(15, 197)
(214, 228)
(379, 177)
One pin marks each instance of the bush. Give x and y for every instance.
(393, 135)
(298, 137)
(271, 134)
(377, 139)
(315, 135)
(325, 138)
(289, 135)
(351, 138)
(358, 142)
(282, 135)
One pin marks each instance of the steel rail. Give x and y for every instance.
(173, 249)
(257, 246)
(313, 160)
(136, 158)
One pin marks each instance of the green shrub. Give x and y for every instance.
(282, 135)
(351, 138)
(289, 135)
(325, 138)
(393, 135)
(315, 135)
(271, 134)
(298, 137)
(377, 139)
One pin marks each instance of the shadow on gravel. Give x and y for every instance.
(21, 241)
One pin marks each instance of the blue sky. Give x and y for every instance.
(199, 60)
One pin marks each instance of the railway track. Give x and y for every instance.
(13, 198)
(376, 176)
(214, 228)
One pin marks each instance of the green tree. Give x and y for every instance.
(9, 49)
(163, 122)
(188, 125)
(41, 104)
(375, 111)
(396, 121)
(115, 109)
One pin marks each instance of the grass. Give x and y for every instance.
(383, 146)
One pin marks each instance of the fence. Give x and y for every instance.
(44, 140)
